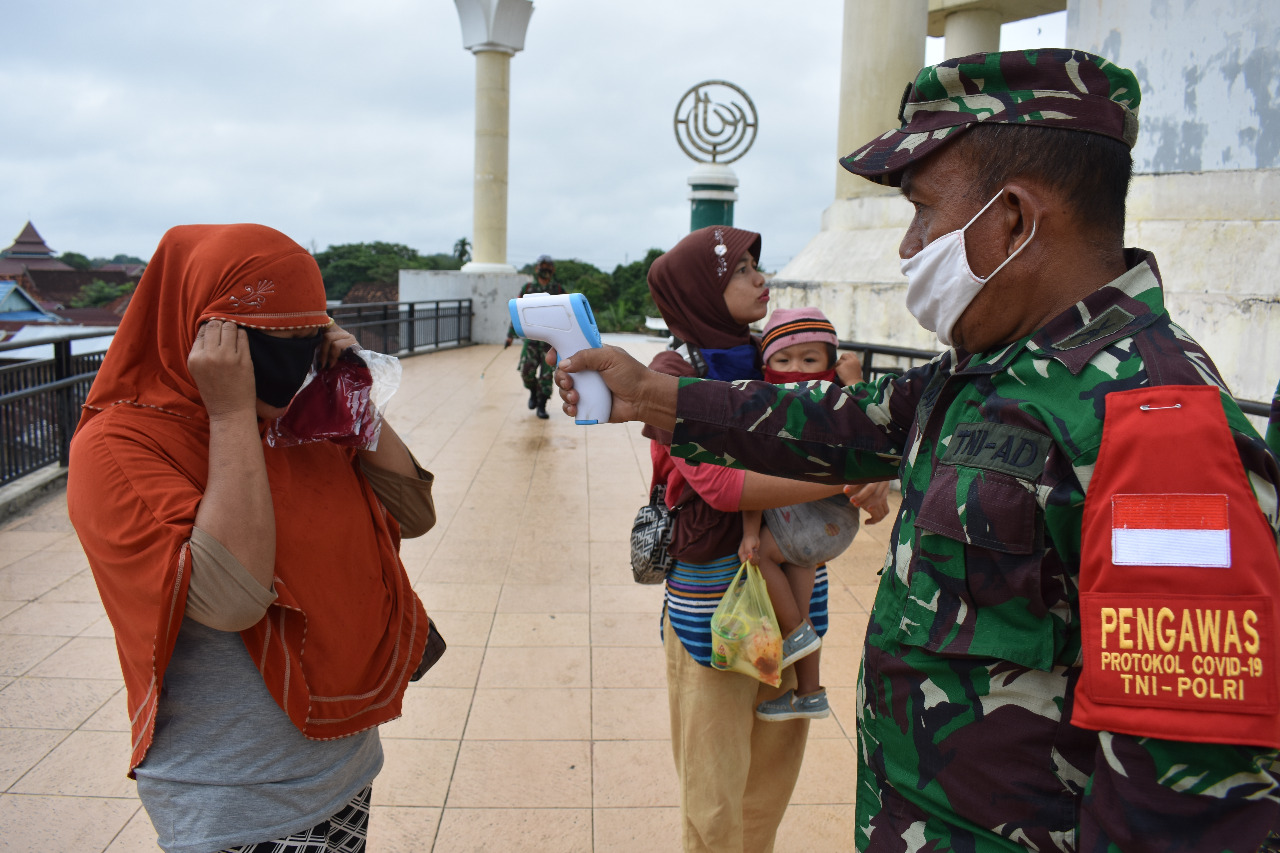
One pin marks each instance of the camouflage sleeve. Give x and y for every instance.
(812, 430)
(1151, 796)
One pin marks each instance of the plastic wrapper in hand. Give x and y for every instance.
(744, 630)
(342, 404)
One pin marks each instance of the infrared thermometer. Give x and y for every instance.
(565, 321)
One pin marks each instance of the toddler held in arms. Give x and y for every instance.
(789, 543)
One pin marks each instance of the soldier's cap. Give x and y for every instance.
(1054, 87)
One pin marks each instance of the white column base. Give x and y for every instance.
(481, 267)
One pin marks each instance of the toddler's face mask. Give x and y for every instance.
(783, 377)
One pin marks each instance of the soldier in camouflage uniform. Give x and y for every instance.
(535, 373)
(973, 651)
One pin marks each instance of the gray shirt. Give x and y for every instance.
(227, 766)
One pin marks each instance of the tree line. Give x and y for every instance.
(619, 299)
(98, 292)
(77, 261)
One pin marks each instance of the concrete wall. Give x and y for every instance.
(1216, 237)
(1209, 72)
(488, 292)
(850, 271)
(1206, 199)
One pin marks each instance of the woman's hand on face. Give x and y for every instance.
(219, 363)
(334, 341)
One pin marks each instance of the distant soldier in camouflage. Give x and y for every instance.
(534, 370)
(971, 732)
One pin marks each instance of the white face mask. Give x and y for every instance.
(940, 284)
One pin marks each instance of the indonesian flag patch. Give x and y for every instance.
(1170, 530)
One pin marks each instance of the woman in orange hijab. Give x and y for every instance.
(264, 621)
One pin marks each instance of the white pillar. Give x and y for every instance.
(971, 31)
(882, 51)
(494, 31)
(493, 111)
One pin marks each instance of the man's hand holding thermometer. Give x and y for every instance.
(639, 394)
(565, 321)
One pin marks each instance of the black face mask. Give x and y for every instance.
(280, 365)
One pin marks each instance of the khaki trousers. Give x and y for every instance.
(736, 772)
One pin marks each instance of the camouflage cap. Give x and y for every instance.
(1053, 87)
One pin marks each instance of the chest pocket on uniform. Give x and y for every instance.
(979, 583)
(983, 508)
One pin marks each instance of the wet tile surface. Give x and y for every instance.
(544, 727)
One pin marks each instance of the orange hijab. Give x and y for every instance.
(346, 632)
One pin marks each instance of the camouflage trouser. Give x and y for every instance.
(535, 373)
(926, 756)
(973, 754)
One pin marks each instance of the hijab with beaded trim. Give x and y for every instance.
(688, 285)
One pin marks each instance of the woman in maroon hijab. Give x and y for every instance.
(736, 771)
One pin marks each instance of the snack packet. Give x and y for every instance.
(342, 404)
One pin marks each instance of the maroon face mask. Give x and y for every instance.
(779, 377)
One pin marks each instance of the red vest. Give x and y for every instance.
(1179, 578)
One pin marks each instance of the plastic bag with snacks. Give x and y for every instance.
(342, 404)
(744, 630)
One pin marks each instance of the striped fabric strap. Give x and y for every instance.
(695, 589)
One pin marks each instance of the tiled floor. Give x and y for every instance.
(544, 727)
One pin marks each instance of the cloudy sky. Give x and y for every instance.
(341, 122)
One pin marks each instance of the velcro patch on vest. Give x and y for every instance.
(1209, 653)
(999, 447)
(1107, 323)
(1170, 530)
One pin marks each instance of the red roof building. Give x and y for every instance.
(28, 252)
(372, 291)
(30, 265)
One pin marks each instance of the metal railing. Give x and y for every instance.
(1253, 407)
(405, 328)
(904, 358)
(40, 399)
(40, 404)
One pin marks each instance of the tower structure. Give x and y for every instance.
(493, 30)
(715, 124)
